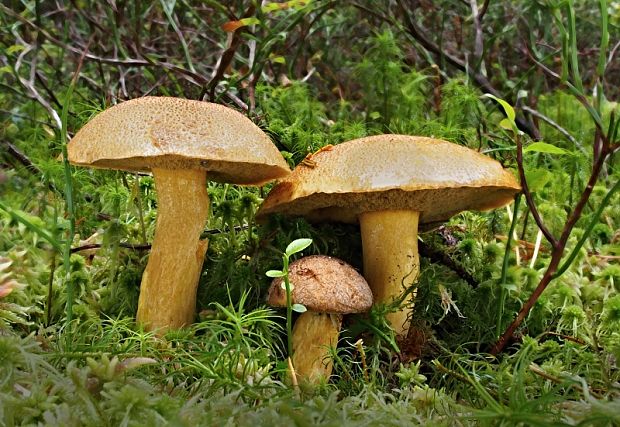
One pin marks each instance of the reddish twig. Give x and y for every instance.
(529, 197)
(556, 255)
(227, 56)
(483, 9)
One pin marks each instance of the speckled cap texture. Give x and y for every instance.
(437, 178)
(323, 284)
(175, 133)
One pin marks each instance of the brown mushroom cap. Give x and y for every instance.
(437, 178)
(174, 133)
(323, 284)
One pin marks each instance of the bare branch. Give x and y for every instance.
(442, 257)
(192, 77)
(613, 52)
(479, 79)
(555, 125)
(478, 42)
(31, 90)
(17, 154)
(146, 247)
(556, 257)
(227, 56)
(483, 9)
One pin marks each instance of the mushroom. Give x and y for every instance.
(180, 142)
(391, 184)
(328, 288)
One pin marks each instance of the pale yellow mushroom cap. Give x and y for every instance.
(437, 178)
(174, 133)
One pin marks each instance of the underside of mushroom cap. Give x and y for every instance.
(435, 177)
(323, 284)
(174, 133)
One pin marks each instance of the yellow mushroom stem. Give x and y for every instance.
(391, 261)
(170, 280)
(313, 336)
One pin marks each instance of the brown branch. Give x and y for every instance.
(99, 246)
(529, 197)
(146, 247)
(483, 9)
(442, 257)
(564, 337)
(479, 79)
(613, 52)
(478, 41)
(583, 200)
(574, 91)
(227, 56)
(602, 148)
(31, 90)
(542, 285)
(556, 257)
(555, 125)
(194, 78)
(49, 92)
(16, 153)
(540, 372)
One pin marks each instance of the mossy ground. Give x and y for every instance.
(227, 369)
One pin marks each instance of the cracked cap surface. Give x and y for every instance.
(435, 177)
(175, 133)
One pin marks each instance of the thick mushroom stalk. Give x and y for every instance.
(328, 288)
(391, 261)
(180, 141)
(313, 336)
(169, 283)
(388, 183)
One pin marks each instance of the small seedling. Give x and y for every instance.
(294, 247)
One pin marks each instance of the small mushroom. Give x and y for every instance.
(328, 288)
(180, 142)
(390, 184)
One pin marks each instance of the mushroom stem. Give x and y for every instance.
(313, 335)
(169, 283)
(391, 261)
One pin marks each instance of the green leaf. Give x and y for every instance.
(15, 48)
(506, 124)
(297, 246)
(271, 7)
(537, 179)
(34, 224)
(543, 147)
(299, 308)
(252, 20)
(510, 112)
(275, 273)
(290, 286)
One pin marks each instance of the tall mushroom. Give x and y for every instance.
(390, 184)
(328, 288)
(180, 142)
